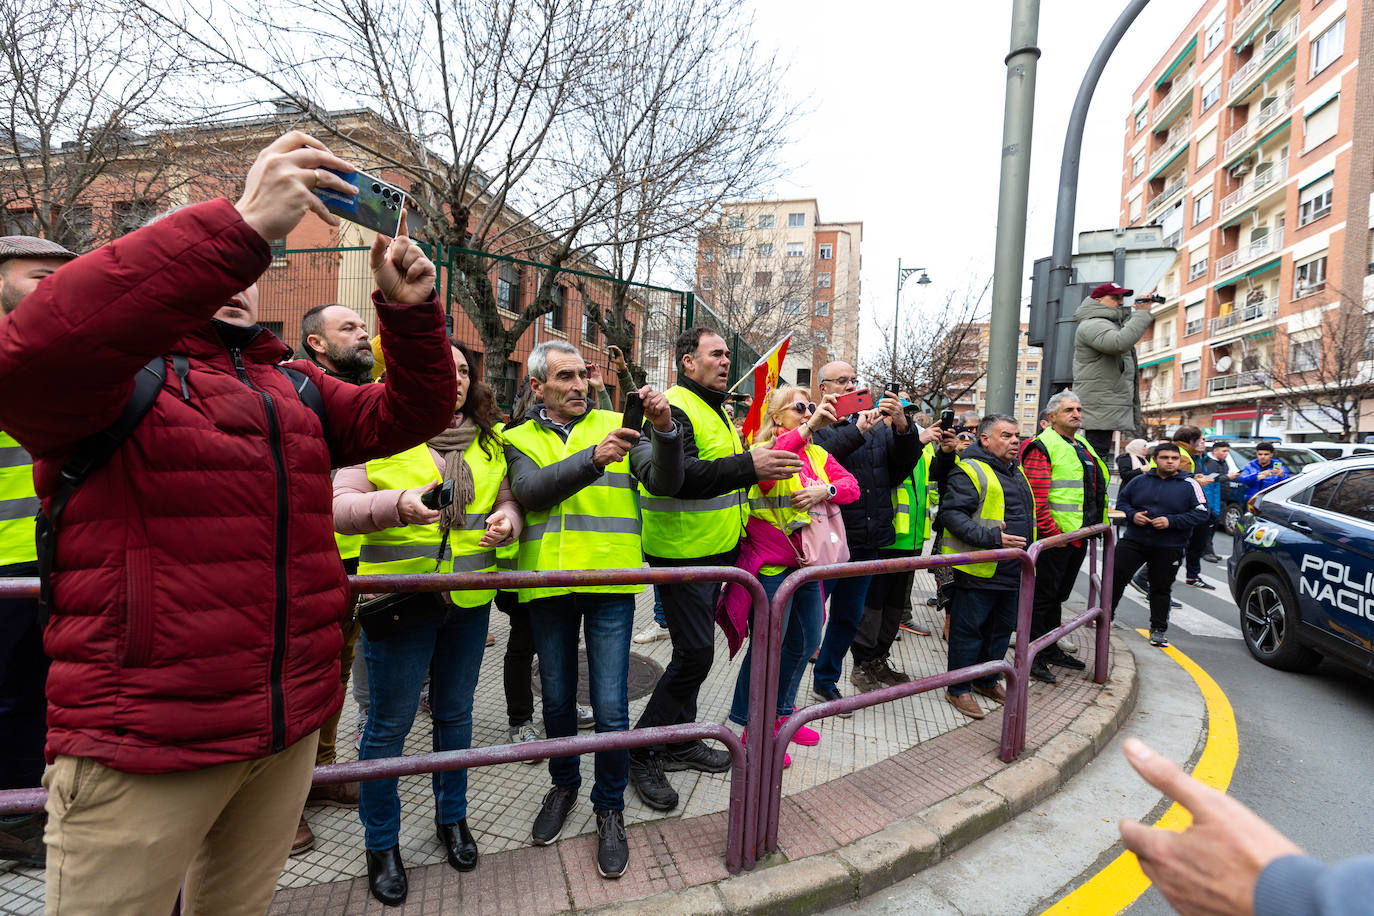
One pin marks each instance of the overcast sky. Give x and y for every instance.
(904, 129)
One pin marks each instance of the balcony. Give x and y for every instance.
(1245, 314)
(1178, 138)
(1173, 239)
(1182, 88)
(1250, 252)
(1175, 185)
(1245, 17)
(1250, 379)
(1192, 327)
(1263, 180)
(1152, 346)
(1277, 43)
(1270, 111)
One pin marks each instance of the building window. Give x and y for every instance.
(1142, 119)
(823, 279)
(1133, 209)
(803, 375)
(1191, 375)
(792, 277)
(508, 287)
(1328, 46)
(1207, 147)
(1216, 33)
(766, 220)
(822, 307)
(825, 253)
(1211, 92)
(763, 278)
(1202, 207)
(792, 307)
(760, 306)
(1309, 278)
(1138, 164)
(554, 317)
(823, 336)
(796, 220)
(278, 249)
(76, 229)
(1198, 268)
(765, 250)
(1314, 201)
(736, 221)
(1031, 367)
(128, 215)
(796, 249)
(1030, 381)
(706, 283)
(1321, 125)
(708, 255)
(1192, 317)
(734, 251)
(1304, 355)
(734, 278)
(1028, 396)
(589, 324)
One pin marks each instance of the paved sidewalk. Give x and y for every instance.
(871, 774)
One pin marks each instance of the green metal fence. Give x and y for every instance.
(475, 284)
(742, 355)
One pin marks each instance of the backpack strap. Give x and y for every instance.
(309, 393)
(87, 457)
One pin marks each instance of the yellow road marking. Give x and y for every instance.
(1121, 882)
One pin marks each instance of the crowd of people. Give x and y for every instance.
(199, 624)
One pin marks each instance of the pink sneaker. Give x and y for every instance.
(786, 758)
(806, 737)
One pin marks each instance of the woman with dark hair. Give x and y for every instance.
(381, 500)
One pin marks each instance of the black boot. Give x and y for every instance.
(458, 843)
(386, 876)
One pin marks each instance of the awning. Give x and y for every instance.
(1258, 270)
(1156, 362)
(1177, 60)
(1179, 109)
(1234, 413)
(1181, 150)
(1240, 216)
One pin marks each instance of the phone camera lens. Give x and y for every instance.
(376, 188)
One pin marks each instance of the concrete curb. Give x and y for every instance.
(918, 841)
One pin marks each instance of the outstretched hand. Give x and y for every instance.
(400, 268)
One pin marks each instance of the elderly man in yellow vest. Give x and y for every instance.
(987, 504)
(1069, 481)
(23, 666)
(574, 471)
(700, 526)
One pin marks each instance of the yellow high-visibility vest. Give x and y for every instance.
(18, 503)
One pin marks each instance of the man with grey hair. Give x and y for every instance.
(987, 505)
(573, 468)
(1069, 481)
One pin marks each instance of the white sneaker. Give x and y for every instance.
(652, 633)
(1067, 646)
(524, 733)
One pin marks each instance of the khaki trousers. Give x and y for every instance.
(329, 731)
(125, 843)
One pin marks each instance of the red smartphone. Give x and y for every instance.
(853, 402)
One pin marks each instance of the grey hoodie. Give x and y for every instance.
(1104, 366)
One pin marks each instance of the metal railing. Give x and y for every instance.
(1269, 110)
(1183, 85)
(1252, 250)
(1177, 138)
(1266, 308)
(1249, 379)
(1255, 184)
(1272, 45)
(1175, 185)
(1243, 17)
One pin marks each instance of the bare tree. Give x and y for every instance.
(938, 358)
(546, 130)
(86, 121)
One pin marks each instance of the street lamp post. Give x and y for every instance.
(902, 274)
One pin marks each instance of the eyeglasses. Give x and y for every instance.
(804, 409)
(966, 437)
(841, 380)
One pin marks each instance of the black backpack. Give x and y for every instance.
(92, 452)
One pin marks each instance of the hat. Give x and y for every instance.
(26, 246)
(1110, 289)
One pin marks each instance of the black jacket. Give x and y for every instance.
(1178, 498)
(958, 502)
(879, 460)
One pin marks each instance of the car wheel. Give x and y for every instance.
(1230, 518)
(1269, 620)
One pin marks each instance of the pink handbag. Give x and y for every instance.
(823, 541)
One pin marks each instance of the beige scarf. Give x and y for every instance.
(451, 444)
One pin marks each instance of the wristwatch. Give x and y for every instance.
(830, 491)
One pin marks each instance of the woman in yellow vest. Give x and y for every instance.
(788, 423)
(381, 501)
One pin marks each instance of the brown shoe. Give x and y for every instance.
(340, 795)
(997, 693)
(966, 704)
(21, 840)
(305, 838)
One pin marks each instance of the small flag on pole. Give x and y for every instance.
(766, 372)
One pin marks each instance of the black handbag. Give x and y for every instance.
(386, 615)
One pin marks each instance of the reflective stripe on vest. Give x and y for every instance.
(18, 503)
(991, 512)
(415, 548)
(776, 508)
(595, 528)
(1065, 500)
(682, 528)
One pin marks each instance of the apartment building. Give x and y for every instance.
(1027, 394)
(1251, 142)
(770, 268)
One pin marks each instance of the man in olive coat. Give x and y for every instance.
(1104, 366)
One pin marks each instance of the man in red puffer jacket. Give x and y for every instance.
(197, 592)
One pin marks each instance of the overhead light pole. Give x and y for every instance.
(902, 274)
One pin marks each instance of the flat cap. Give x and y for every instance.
(27, 246)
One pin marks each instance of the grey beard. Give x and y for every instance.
(351, 362)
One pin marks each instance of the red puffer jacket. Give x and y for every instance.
(197, 588)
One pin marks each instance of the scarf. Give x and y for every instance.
(450, 444)
(1136, 448)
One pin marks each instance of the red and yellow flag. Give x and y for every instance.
(766, 372)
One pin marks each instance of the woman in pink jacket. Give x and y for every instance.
(384, 496)
(788, 423)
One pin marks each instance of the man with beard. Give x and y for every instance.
(335, 338)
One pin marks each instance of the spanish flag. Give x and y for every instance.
(766, 372)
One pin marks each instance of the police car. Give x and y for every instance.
(1302, 573)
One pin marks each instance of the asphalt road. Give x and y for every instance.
(1303, 740)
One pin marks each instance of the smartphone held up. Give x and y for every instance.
(376, 204)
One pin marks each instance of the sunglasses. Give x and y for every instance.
(965, 437)
(804, 409)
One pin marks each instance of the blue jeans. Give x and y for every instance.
(606, 621)
(846, 611)
(801, 633)
(452, 650)
(980, 625)
(659, 617)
